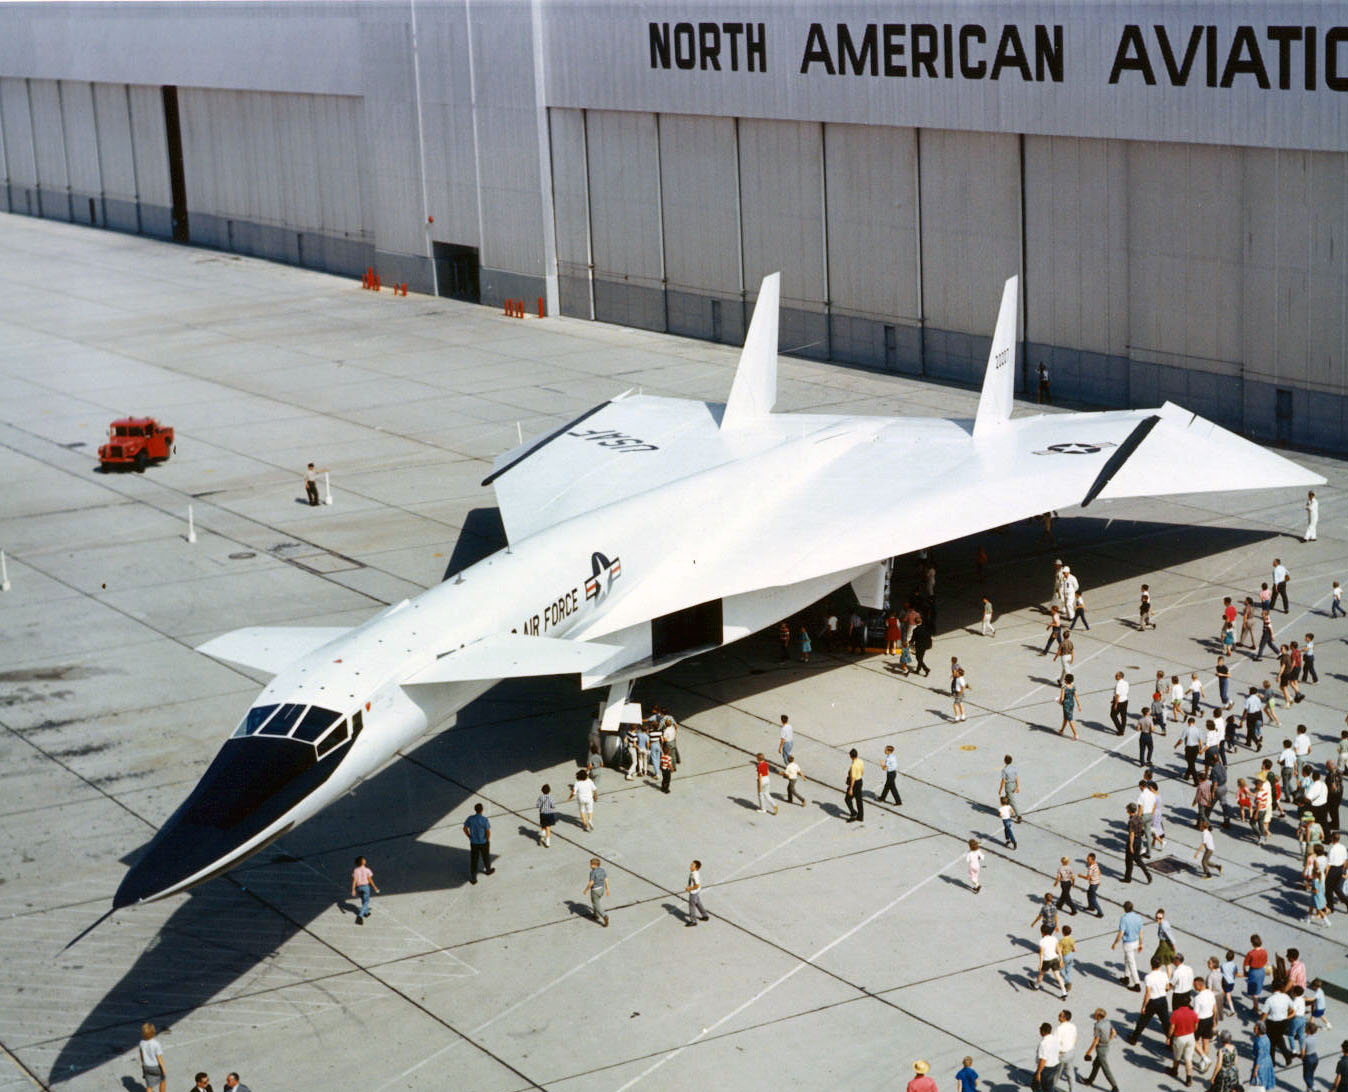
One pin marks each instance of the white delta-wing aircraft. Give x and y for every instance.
(759, 515)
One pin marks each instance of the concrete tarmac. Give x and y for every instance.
(836, 952)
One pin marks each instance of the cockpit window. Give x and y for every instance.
(315, 722)
(253, 720)
(284, 720)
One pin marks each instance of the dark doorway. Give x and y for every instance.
(699, 626)
(456, 271)
(1282, 413)
(174, 137)
(891, 349)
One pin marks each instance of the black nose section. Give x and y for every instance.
(253, 782)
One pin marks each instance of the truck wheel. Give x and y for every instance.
(142, 461)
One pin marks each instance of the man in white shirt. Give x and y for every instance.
(1181, 981)
(1277, 1020)
(786, 742)
(1047, 1057)
(1118, 705)
(1336, 854)
(1204, 1005)
(1312, 517)
(1317, 799)
(1280, 577)
(1153, 1001)
(1066, 1033)
(1191, 739)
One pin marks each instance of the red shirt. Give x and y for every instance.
(1256, 958)
(922, 1084)
(1183, 1021)
(763, 770)
(1230, 613)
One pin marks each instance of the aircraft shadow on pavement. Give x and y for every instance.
(227, 928)
(196, 957)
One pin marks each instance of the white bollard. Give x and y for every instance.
(4, 573)
(327, 488)
(191, 526)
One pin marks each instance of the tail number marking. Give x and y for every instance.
(613, 439)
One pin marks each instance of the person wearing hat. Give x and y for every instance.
(1101, 1033)
(921, 1082)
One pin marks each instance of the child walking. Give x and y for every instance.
(1005, 813)
(959, 685)
(974, 858)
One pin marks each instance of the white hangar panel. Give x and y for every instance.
(872, 221)
(570, 208)
(447, 120)
(151, 146)
(624, 161)
(625, 196)
(1076, 256)
(18, 124)
(116, 164)
(782, 179)
(391, 127)
(1185, 221)
(970, 230)
(1296, 267)
(700, 203)
(209, 130)
(81, 142)
(339, 130)
(44, 100)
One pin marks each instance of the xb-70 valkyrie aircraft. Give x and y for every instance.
(760, 514)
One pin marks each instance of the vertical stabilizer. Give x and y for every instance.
(999, 383)
(754, 391)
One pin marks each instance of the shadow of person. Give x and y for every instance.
(580, 909)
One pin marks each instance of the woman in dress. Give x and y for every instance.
(1225, 1075)
(891, 635)
(1319, 911)
(1261, 1073)
(1067, 698)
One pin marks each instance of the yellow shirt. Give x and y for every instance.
(858, 768)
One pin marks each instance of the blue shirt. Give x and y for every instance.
(478, 828)
(1130, 925)
(968, 1079)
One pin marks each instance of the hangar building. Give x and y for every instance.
(1169, 179)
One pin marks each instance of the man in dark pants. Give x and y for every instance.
(1137, 840)
(856, 809)
(478, 829)
(891, 777)
(1118, 704)
(1334, 797)
(1153, 1001)
(1280, 576)
(1338, 857)
(1045, 398)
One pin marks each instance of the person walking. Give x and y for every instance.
(477, 829)
(1206, 848)
(1252, 717)
(1336, 601)
(961, 687)
(547, 815)
(666, 772)
(792, 772)
(1066, 1032)
(1054, 627)
(152, 1068)
(1079, 613)
(1137, 841)
(1224, 682)
(1308, 673)
(1225, 1068)
(1191, 738)
(1131, 925)
(362, 883)
(922, 1081)
(1144, 610)
(989, 630)
(1049, 963)
(1146, 737)
(694, 890)
(891, 764)
(1008, 835)
(1067, 698)
(1102, 1032)
(1118, 704)
(1064, 655)
(597, 888)
(1154, 1004)
(786, 739)
(1046, 1060)
(1065, 878)
(1092, 878)
(763, 774)
(974, 859)
(584, 793)
(1180, 1038)
(1009, 785)
(1280, 579)
(856, 807)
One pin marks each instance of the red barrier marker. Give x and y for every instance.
(540, 307)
